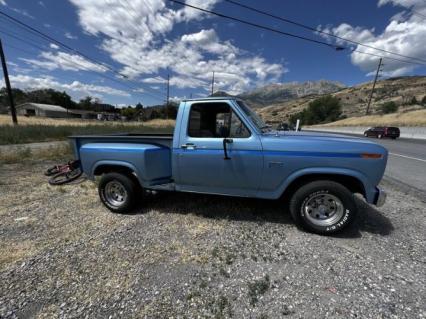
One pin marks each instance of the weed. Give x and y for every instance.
(258, 288)
(215, 252)
(229, 259)
(223, 272)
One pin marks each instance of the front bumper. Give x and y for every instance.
(380, 198)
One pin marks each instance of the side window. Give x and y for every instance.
(215, 120)
(238, 129)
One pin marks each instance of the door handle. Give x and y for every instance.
(188, 146)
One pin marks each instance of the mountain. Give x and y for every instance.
(400, 90)
(283, 92)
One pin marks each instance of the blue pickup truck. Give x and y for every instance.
(220, 146)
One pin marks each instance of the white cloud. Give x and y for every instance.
(75, 88)
(157, 79)
(63, 61)
(3, 2)
(403, 3)
(41, 3)
(54, 46)
(405, 34)
(68, 35)
(134, 34)
(20, 11)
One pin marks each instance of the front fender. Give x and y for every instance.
(370, 190)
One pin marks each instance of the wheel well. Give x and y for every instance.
(352, 183)
(107, 168)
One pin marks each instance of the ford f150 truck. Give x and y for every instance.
(220, 146)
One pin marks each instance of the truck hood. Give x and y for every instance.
(319, 142)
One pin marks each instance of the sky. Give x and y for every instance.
(129, 47)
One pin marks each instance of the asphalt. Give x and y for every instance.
(406, 164)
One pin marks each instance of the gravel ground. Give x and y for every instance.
(186, 256)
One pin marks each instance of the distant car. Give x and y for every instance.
(285, 127)
(382, 131)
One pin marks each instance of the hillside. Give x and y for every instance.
(354, 99)
(283, 92)
(409, 118)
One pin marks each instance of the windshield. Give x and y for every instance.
(255, 119)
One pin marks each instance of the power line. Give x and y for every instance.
(418, 14)
(63, 45)
(315, 29)
(389, 58)
(83, 67)
(336, 47)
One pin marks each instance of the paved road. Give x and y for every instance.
(406, 163)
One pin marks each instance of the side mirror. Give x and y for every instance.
(225, 142)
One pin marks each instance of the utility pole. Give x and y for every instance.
(168, 96)
(213, 83)
(8, 88)
(374, 85)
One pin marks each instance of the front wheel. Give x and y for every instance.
(118, 192)
(379, 136)
(323, 207)
(365, 134)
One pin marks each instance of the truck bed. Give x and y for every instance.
(156, 139)
(135, 151)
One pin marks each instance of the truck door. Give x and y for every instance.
(201, 157)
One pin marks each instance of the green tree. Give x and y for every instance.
(139, 106)
(424, 101)
(322, 110)
(128, 112)
(389, 107)
(86, 103)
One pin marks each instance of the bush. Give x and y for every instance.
(389, 107)
(414, 101)
(322, 110)
(424, 101)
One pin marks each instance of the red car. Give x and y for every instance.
(383, 131)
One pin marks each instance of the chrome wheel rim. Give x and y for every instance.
(115, 193)
(323, 209)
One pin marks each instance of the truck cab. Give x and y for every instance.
(221, 146)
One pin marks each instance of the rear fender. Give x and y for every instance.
(117, 164)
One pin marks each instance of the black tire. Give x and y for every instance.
(129, 186)
(345, 209)
(52, 171)
(393, 137)
(65, 177)
(379, 136)
(366, 134)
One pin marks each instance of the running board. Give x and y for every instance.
(162, 187)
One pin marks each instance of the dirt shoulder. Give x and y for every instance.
(63, 254)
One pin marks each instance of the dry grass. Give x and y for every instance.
(23, 120)
(412, 118)
(23, 154)
(36, 129)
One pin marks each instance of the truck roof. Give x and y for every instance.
(212, 98)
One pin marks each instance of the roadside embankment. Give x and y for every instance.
(414, 132)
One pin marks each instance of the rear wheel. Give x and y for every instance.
(323, 207)
(118, 192)
(365, 134)
(379, 136)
